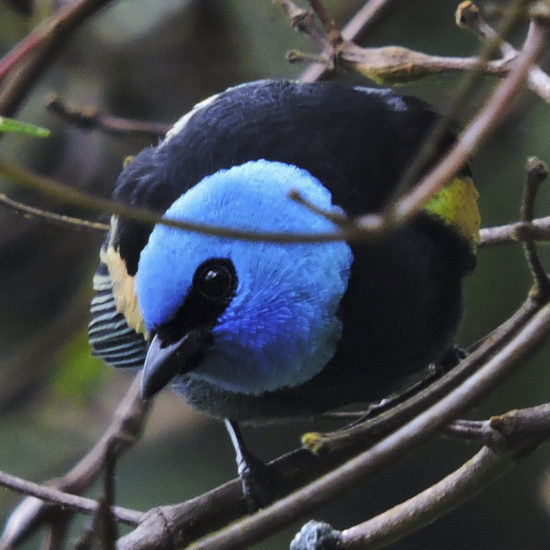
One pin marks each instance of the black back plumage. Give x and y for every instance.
(357, 142)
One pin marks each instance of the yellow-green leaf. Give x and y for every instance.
(17, 127)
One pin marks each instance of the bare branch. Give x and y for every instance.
(124, 429)
(436, 501)
(394, 64)
(538, 229)
(362, 20)
(51, 217)
(301, 502)
(55, 496)
(508, 432)
(483, 123)
(74, 196)
(334, 38)
(92, 119)
(369, 431)
(32, 56)
(469, 18)
(536, 174)
(519, 425)
(510, 435)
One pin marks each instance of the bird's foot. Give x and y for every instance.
(450, 359)
(258, 483)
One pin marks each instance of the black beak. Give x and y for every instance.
(162, 364)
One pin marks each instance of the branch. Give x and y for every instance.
(469, 18)
(267, 521)
(519, 425)
(54, 496)
(70, 195)
(203, 514)
(318, 443)
(536, 174)
(180, 525)
(93, 119)
(538, 229)
(26, 62)
(396, 64)
(483, 123)
(417, 512)
(370, 13)
(124, 430)
(48, 216)
(510, 432)
(511, 436)
(368, 431)
(365, 227)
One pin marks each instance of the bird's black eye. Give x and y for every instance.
(213, 288)
(215, 280)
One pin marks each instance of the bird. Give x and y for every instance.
(252, 331)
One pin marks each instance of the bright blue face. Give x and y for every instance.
(281, 327)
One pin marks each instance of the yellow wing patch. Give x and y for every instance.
(123, 284)
(456, 205)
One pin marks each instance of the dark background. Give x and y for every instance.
(153, 61)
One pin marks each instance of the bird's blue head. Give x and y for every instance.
(247, 317)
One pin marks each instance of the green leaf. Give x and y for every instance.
(16, 127)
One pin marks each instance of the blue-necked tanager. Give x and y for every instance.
(254, 331)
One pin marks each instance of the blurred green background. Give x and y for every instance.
(153, 60)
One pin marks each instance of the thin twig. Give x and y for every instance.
(335, 215)
(506, 431)
(52, 217)
(105, 519)
(483, 123)
(27, 61)
(394, 64)
(479, 66)
(334, 37)
(469, 18)
(124, 428)
(364, 18)
(54, 496)
(536, 174)
(513, 431)
(70, 195)
(93, 119)
(538, 229)
(370, 430)
(470, 430)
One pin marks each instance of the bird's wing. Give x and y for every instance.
(112, 337)
(116, 330)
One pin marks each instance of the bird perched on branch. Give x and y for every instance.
(254, 329)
